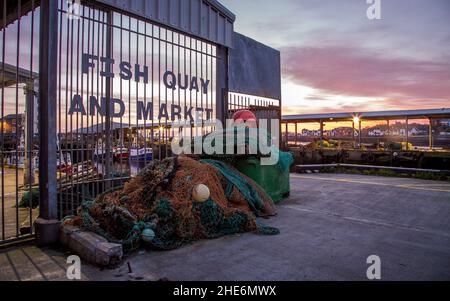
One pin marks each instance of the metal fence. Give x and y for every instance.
(263, 108)
(18, 117)
(121, 81)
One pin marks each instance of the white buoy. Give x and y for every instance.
(147, 235)
(200, 193)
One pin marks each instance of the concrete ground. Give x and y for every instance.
(14, 222)
(329, 226)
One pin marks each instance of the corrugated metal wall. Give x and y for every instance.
(205, 19)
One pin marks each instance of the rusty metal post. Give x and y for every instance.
(47, 225)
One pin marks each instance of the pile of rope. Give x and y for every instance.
(159, 199)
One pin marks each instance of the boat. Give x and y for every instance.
(141, 154)
(121, 153)
(63, 162)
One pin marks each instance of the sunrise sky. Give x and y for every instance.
(335, 59)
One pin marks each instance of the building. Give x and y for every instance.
(12, 123)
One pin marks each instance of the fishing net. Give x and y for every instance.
(160, 198)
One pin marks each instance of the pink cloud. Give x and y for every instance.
(359, 72)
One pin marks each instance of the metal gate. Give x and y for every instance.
(150, 75)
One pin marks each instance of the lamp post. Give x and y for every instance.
(357, 120)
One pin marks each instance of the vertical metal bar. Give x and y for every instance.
(121, 82)
(98, 148)
(172, 101)
(159, 93)
(30, 119)
(71, 115)
(153, 83)
(165, 98)
(179, 71)
(59, 147)
(185, 72)
(190, 90)
(201, 92)
(19, 120)
(66, 140)
(108, 88)
(129, 97)
(80, 27)
(145, 96)
(130, 130)
(47, 227)
(2, 121)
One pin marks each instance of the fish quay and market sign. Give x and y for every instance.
(144, 111)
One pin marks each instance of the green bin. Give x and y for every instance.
(274, 179)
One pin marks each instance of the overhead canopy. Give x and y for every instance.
(12, 12)
(13, 75)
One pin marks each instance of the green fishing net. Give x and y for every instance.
(159, 198)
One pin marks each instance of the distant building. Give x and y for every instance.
(445, 122)
(12, 123)
(376, 132)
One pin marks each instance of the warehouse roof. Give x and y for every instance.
(377, 115)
